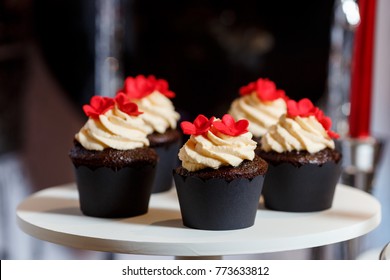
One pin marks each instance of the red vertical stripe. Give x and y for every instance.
(361, 79)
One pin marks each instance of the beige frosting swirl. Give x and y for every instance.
(296, 134)
(114, 129)
(260, 114)
(159, 112)
(216, 150)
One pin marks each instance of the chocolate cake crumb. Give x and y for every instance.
(247, 169)
(299, 158)
(112, 158)
(160, 139)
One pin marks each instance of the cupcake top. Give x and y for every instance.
(303, 128)
(153, 98)
(261, 103)
(216, 142)
(113, 123)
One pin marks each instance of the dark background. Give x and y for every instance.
(205, 49)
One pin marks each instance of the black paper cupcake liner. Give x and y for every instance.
(307, 188)
(168, 160)
(108, 193)
(216, 204)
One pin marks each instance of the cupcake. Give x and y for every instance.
(304, 165)
(220, 178)
(153, 98)
(114, 166)
(261, 103)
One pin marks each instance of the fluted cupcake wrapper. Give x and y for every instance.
(108, 193)
(216, 204)
(307, 188)
(167, 161)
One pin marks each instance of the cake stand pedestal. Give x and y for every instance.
(53, 215)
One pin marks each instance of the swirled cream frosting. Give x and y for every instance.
(114, 129)
(215, 150)
(260, 114)
(159, 112)
(298, 133)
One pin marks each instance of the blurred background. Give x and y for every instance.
(54, 55)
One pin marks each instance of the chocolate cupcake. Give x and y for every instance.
(261, 103)
(153, 98)
(304, 166)
(220, 179)
(166, 145)
(114, 166)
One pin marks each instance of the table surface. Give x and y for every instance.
(53, 215)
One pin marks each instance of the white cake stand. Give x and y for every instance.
(53, 215)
